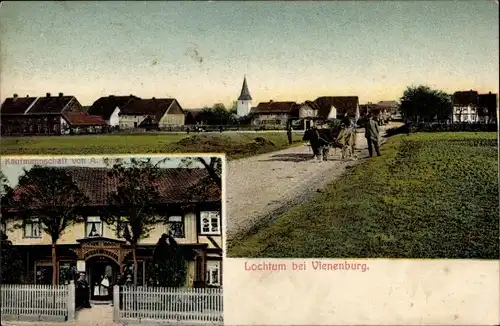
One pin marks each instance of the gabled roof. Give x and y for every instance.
(245, 93)
(274, 107)
(155, 107)
(83, 119)
(387, 104)
(105, 106)
(465, 98)
(16, 105)
(173, 185)
(343, 104)
(50, 104)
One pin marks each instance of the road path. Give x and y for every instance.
(260, 188)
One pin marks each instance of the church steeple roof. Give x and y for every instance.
(245, 94)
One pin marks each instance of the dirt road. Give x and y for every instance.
(259, 188)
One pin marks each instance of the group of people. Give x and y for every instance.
(320, 142)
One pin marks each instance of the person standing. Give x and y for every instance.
(289, 132)
(372, 135)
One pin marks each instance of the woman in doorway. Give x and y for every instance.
(104, 289)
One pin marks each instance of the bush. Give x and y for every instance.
(443, 127)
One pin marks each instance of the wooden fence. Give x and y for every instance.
(37, 302)
(180, 305)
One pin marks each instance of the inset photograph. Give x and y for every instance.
(123, 239)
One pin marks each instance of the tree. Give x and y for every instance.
(12, 263)
(169, 266)
(134, 203)
(423, 103)
(49, 195)
(234, 108)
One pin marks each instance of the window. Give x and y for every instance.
(210, 223)
(93, 227)
(176, 226)
(32, 228)
(213, 273)
(120, 228)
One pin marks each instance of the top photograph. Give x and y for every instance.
(362, 129)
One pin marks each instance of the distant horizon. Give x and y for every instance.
(199, 52)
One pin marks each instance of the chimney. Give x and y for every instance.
(15, 95)
(27, 95)
(48, 94)
(61, 94)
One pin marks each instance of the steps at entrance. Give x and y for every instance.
(100, 302)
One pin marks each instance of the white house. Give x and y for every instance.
(109, 108)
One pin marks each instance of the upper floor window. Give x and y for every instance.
(32, 228)
(121, 227)
(210, 223)
(176, 226)
(93, 227)
(213, 273)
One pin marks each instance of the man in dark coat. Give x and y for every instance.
(372, 135)
(83, 291)
(289, 132)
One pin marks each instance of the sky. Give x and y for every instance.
(13, 166)
(199, 52)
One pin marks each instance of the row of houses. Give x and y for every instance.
(470, 106)
(63, 114)
(197, 229)
(320, 110)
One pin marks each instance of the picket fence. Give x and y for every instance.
(181, 305)
(39, 302)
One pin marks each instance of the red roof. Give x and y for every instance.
(16, 105)
(465, 98)
(155, 107)
(50, 104)
(83, 119)
(274, 107)
(173, 184)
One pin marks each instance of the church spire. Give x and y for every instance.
(245, 94)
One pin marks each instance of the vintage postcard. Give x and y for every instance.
(361, 140)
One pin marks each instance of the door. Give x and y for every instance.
(308, 124)
(102, 268)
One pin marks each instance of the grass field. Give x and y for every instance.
(430, 195)
(236, 145)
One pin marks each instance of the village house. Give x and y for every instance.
(49, 115)
(381, 111)
(465, 106)
(196, 226)
(273, 115)
(327, 108)
(109, 108)
(151, 114)
(488, 104)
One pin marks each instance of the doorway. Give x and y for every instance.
(98, 269)
(307, 124)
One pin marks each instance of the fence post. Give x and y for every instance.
(71, 301)
(116, 303)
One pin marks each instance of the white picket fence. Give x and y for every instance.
(37, 300)
(186, 305)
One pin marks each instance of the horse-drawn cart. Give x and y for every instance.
(323, 139)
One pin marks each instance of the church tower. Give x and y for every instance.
(244, 101)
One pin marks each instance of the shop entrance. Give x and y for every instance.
(102, 272)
